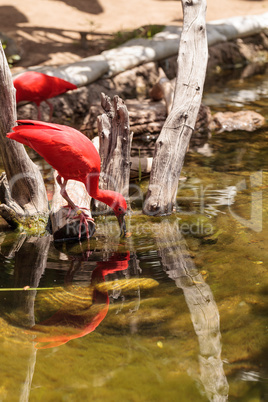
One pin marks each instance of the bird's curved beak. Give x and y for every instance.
(122, 224)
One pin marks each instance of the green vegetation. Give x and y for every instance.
(11, 59)
(147, 32)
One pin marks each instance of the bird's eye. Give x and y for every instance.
(120, 209)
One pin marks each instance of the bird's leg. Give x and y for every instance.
(84, 218)
(64, 193)
(39, 117)
(51, 107)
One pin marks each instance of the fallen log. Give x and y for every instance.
(137, 163)
(147, 117)
(162, 45)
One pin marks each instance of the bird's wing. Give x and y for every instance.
(35, 86)
(70, 152)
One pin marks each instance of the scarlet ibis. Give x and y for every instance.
(74, 157)
(85, 321)
(37, 87)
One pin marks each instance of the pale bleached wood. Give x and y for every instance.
(172, 143)
(23, 193)
(115, 145)
(140, 50)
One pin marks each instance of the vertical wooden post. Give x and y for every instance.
(172, 143)
(115, 145)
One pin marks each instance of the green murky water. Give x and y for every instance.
(176, 312)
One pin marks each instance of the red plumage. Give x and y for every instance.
(66, 319)
(37, 87)
(67, 150)
(73, 155)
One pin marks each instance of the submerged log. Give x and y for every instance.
(64, 221)
(115, 145)
(22, 190)
(175, 135)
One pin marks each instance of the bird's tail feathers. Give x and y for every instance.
(38, 123)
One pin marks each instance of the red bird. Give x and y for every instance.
(84, 323)
(38, 87)
(74, 157)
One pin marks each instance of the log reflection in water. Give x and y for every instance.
(30, 255)
(180, 267)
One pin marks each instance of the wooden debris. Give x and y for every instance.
(246, 120)
(115, 145)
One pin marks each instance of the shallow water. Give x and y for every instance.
(176, 312)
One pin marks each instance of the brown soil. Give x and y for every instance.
(48, 31)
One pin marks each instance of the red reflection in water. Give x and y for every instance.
(71, 326)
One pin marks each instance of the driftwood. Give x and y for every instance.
(137, 163)
(146, 119)
(174, 138)
(73, 108)
(22, 189)
(64, 222)
(115, 144)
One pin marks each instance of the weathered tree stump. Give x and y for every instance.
(64, 221)
(22, 190)
(115, 145)
(175, 135)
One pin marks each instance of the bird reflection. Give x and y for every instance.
(83, 309)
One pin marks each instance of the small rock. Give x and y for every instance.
(246, 120)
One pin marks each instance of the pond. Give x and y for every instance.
(175, 312)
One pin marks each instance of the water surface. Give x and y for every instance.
(176, 312)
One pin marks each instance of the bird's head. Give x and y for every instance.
(120, 209)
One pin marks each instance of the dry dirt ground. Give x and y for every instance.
(48, 31)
